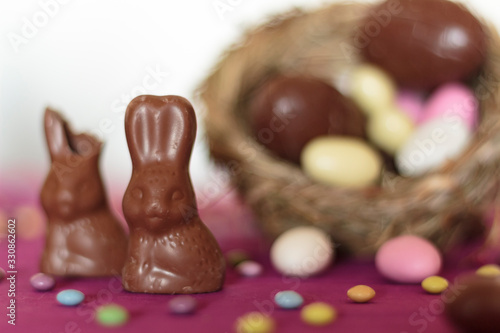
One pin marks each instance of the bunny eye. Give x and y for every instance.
(137, 193)
(177, 195)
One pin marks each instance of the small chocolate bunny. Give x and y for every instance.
(83, 237)
(171, 251)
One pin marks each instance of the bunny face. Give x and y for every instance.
(71, 188)
(155, 200)
(69, 194)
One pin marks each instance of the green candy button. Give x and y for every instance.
(111, 315)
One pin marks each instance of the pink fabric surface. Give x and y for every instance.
(396, 308)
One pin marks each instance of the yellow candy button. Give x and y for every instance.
(318, 314)
(361, 293)
(255, 322)
(489, 270)
(435, 284)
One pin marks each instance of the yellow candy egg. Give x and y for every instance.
(435, 284)
(372, 89)
(390, 129)
(318, 314)
(341, 161)
(255, 322)
(361, 293)
(489, 270)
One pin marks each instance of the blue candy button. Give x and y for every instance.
(70, 297)
(288, 299)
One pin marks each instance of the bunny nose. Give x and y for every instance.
(65, 196)
(155, 209)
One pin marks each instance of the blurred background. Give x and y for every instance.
(88, 59)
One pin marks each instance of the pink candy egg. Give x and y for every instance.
(411, 103)
(408, 259)
(453, 102)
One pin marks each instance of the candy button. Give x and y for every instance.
(318, 314)
(372, 89)
(236, 256)
(111, 315)
(70, 297)
(288, 299)
(42, 282)
(183, 304)
(249, 268)
(489, 270)
(435, 284)
(255, 322)
(361, 293)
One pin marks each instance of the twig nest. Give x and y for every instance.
(442, 204)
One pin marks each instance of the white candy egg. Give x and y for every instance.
(302, 251)
(431, 145)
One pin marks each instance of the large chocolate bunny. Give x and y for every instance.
(171, 251)
(83, 237)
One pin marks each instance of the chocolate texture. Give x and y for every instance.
(83, 237)
(423, 43)
(476, 306)
(171, 251)
(286, 112)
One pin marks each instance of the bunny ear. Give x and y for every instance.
(160, 129)
(63, 143)
(56, 134)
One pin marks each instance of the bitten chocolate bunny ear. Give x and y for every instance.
(56, 135)
(63, 143)
(160, 129)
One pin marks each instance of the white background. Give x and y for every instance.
(89, 58)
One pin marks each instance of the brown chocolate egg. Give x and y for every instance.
(423, 43)
(286, 112)
(474, 305)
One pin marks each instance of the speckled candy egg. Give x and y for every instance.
(408, 259)
(286, 112)
(423, 43)
(453, 101)
(341, 161)
(302, 251)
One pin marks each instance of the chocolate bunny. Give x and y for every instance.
(83, 237)
(171, 251)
